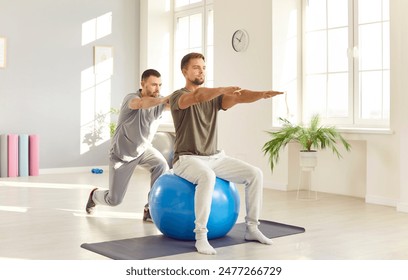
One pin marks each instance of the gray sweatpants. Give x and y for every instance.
(120, 173)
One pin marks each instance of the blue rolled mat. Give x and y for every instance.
(23, 155)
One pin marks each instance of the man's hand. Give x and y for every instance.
(239, 95)
(165, 99)
(271, 93)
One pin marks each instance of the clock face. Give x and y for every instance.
(240, 40)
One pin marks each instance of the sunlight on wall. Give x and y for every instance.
(96, 86)
(96, 28)
(95, 109)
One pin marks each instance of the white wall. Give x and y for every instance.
(399, 101)
(41, 89)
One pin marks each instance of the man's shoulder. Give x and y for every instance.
(176, 95)
(131, 95)
(179, 92)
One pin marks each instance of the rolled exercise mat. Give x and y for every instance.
(3, 156)
(12, 155)
(23, 155)
(34, 154)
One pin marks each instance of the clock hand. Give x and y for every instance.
(240, 38)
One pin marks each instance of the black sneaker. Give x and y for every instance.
(146, 215)
(90, 205)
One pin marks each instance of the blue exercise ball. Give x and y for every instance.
(171, 204)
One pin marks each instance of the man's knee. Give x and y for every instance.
(256, 173)
(164, 166)
(206, 177)
(160, 166)
(114, 201)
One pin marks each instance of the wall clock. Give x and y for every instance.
(240, 40)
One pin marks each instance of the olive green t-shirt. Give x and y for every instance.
(196, 126)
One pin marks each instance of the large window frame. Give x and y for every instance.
(190, 11)
(291, 47)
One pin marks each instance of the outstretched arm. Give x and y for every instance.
(203, 94)
(247, 96)
(147, 102)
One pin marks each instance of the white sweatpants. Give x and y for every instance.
(203, 170)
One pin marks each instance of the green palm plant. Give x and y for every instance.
(309, 137)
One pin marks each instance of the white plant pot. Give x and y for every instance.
(308, 160)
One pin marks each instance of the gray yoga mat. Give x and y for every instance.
(3, 156)
(155, 246)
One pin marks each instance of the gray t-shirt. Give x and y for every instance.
(196, 126)
(135, 129)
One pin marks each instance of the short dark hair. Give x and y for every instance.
(150, 72)
(186, 59)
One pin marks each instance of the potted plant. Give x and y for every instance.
(311, 138)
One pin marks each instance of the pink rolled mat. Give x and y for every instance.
(12, 155)
(34, 155)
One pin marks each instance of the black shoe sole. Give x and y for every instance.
(90, 205)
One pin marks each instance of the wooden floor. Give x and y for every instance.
(43, 218)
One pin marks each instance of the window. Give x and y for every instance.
(326, 70)
(182, 3)
(193, 33)
(374, 60)
(346, 78)
(343, 63)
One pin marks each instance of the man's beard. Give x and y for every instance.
(153, 94)
(198, 82)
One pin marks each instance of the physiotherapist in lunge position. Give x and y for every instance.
(196, 158)
(131, 143)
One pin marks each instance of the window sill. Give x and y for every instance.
(357, 130)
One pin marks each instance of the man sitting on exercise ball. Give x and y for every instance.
(196, 158)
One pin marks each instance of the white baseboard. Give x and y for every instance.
(402, 207)
(273, 186)
(380, 200)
